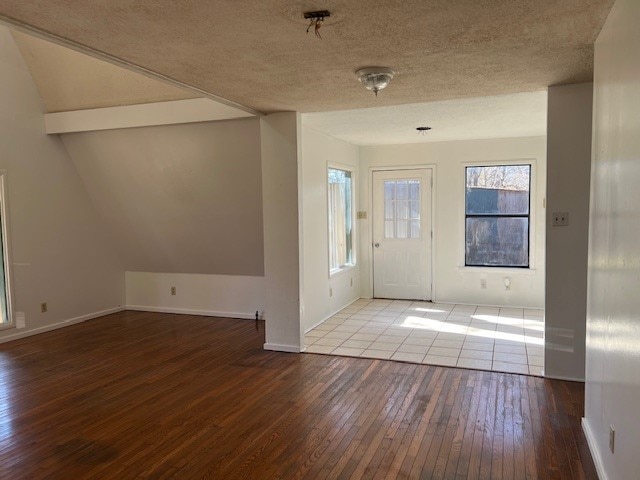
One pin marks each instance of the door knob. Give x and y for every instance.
(377, 245)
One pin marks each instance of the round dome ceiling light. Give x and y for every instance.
(375, 78)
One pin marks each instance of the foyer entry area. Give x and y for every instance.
(466, 336)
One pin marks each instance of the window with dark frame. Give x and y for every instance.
(497, 215)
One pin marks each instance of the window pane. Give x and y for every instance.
(414, 209)
(389, 209)
(389, 191)
(4, 318)
(401, 229)
(501, 190)
(390, 205)
(340, 217)
(388, 229)
(414, 189)
(415, 229)
(402, 190)
(389, 200)
(497, 241)
(402, 209)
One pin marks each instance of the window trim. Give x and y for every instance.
(531, 163)
(6, 250)
(354, 259)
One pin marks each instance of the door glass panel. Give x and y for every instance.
(414, 189)
(402, 208)
(388, 229)
(401, 229)
(402, 190)
(415, 229)
(389, 209)
(414, 209)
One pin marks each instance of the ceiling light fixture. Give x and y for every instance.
(375, 78)
(423, 130)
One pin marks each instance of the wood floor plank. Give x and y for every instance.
(151, 395)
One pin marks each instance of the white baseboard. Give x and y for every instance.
(491, 305)
(567, 379)
(446, 302)
(186, 311)
(62, 324)
(281, 348)
(331, 315)
(595, 454)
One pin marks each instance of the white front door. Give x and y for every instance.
(402, 234)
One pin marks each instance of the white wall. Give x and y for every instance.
(59, 251)
(282, 218)
(613, 320)
(183, 205)
(178, 198)
(452, 281)
(568, 172)
(234, 296)
(322, 295)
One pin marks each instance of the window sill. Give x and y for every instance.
(341, 271)
(498, 270)
(7, 326)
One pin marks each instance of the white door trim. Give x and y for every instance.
(434, 218)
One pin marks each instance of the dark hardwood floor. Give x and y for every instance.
(147, 395)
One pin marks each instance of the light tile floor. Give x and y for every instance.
(467, 336)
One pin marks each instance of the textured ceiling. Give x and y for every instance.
(513, 115)
(69, 80)
(256, 52)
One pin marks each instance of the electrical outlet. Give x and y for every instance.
(362, 215)
(612, 438)
(43, 307)
(483, 283)
(173, 290)
(507, 283)
(560, 219)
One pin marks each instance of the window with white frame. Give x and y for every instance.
(5, 304)
(497, 215)
(340, 188)
(5, 318)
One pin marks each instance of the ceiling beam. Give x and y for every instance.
(143, 115)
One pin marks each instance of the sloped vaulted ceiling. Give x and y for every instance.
(70, 80)
(256, 52)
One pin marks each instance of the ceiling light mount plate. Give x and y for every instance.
(375, 78)
(321, 14)
(316, 20)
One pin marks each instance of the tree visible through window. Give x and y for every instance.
(497, 212)
(340, 219)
